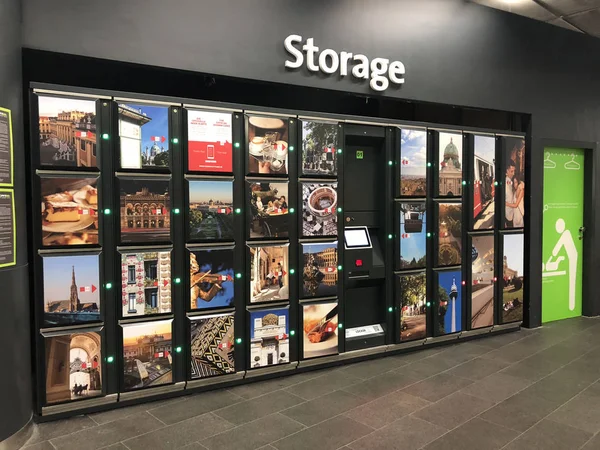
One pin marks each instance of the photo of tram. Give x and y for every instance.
(483, 183)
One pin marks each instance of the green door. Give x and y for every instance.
(562, 254)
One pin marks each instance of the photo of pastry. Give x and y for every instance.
(319, 209)
(319, 148)
(211, 278)
(450, 164)
(147, 359)
(145, 210)
(211, 210)
(67, 128)
(73, 367)
(269, 280)
(268, 211)
(320, 269)
(413, 163)
(212, 346)
(484, 191)
(69, 211)
(269, 337)
(320, 326)
(268, 145)
(449, 234)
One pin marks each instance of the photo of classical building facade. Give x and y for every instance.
(450, 170)
(145, 210)
(269, 337)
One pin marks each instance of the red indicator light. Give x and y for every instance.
(358, 263)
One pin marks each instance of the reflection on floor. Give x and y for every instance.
(532, 389)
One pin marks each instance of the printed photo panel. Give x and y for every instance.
(450, 164)
(73, 366)
(320, 141)
(319, 269)
(513, 278)
(147, 359)
(211, 278)
(413, 236)
(269, 337)
(319, 209)
(69, 211)
(269, 267)
(67, 128)
(210, 210)
(145, 282)
(449, 234)
(320, 326)
(210, 141)
(483, 280)
(484, 177)
(145, 210)
(449, 294)
(71, 289)
(412, 297)
(413, 163)
(267, 209)
(514, 184)
(268, 139)
(212, 346)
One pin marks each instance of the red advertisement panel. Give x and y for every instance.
(209, 141)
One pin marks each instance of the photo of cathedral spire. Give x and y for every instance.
(450, 169)
(71, 294)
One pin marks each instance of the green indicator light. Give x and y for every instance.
(176, 211)
(238, 275)
(178, 349)
(390, 309)
(177, 280)
(428, 234)
(238, 210)
(340, 326)
(390, 236)
(175, 140)
(238, 341)
(292, 271)
(339, 267)
(428, 164)
(390, 163)
(339, 150)
(107, 211)
(495, 183)
(292, 210)
(339, 209)
(110, 359)
(236, 145)
(291, 148)
(108, 285)
(105, 136)
(464, 183)
(292, 332)
(428, 304)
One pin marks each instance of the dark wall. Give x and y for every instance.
(15, 376)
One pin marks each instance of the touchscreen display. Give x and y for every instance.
(357, 237)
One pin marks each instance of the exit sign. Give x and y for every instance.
(360, 154)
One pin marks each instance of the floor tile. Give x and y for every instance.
(194, 446)
(120, 446)
(323, 408)
(388, 409)
(531, 370)
(331, 434)
(592, 444)
(44, 445)
(558, 387)
(258, 388)
(494, 342)
(120, 413)
(180, 434)
(254, 434)
(511, 353)
(324, 384)
(519, 412)
(497, 387)
(426, 368)
(476, 434)
(381, 385)
(50, 430)
(405, 434)
(438, 387)
(454, 410)
(374, 367)
(478, 368)
(108, 434)
(258, 407)
(548, 435)
(581, 412)
(195, 406)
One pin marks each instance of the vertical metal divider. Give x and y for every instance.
(341, 250)
(498, 218)
(293, 254)
(397, 236)
(241, 262)
(433, 245)
(467, 209)
(295, 193)
(390, 150)
(180, 345)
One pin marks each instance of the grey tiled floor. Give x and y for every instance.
(527, 390)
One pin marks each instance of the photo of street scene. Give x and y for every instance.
(71, 289)
(147, 359)
(482, 281)
(412, 293)
(319, 148)
(320, 325)
(484, 173)
(413, 163)
(269, 337)
(73, 367)
(144, 136)
(449, 302)
(268, 145)
(320, 269)
(211, 210)
(514, 185)
(413, 236)
(212, 346)
(513, 282)
(449, 234)
(450, 149)
(69, 211)
(319, 209)
(211, 278)
(269, 273)
(145, 283)
(145, 210)
(268, 210)
(67, 128)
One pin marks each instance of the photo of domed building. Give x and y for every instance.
(450, 179)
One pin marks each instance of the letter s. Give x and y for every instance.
(288, 43)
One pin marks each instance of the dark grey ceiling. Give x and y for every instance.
(577, 15)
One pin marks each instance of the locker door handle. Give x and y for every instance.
(581, 232)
